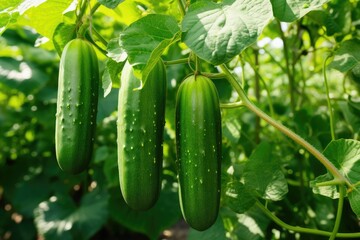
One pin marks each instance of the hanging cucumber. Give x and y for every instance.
(76, 106)
(141, 120)
(198, 140)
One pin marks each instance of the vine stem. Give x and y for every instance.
(177, 61)
(329, 101)
(182, 7)
(302, 229)
(299, 140)
(342, 191)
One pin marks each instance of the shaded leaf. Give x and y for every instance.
(272, 184)
(60, 218)
(238, 197)
(347, 56)
(152, 222)
(217, 32)
(21, 75)
(216, 231)
(354, 199)
(63, 34)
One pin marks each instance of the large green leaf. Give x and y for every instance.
(291, 10)
(238, 197)
(347, 56)
(272, 184)
(60, 218)
(216, 231)
(250, 225)
(345, 155)
(217, 32)
(354, 198)
(146, 39)
(152, 222)
(43, 16)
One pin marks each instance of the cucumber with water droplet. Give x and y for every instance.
(198, 141)
(141, 120)
(77, 100)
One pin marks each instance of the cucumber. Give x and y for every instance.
(77, 100)
(198, 140)
(141, 120)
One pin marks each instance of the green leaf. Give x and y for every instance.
(217, 32)
(23, 76)
(232, 129)
(63, 34)
(110, 3)
(238, 197)
(250, 225)
(354, 199)
(43, 16)
(292, 10)
(111, 75)
(60, 218)
(345, 155)
(216, 231)
(272, 184)
(146, 39)
(347, 56)
(354, 106)
(328, 191)
(164, 214)
(115, 52)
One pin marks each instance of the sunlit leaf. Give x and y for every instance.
(146, 39)
(217, 32)
(291, 10)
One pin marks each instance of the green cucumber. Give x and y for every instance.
(141, 120)
(198, 140)
(77, 100)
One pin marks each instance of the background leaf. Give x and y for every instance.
(347, 56)
(219, 32)
(60, 217)
(146, 39)
(110, 3)
(272, 184)
(345, 155)
(291, 10)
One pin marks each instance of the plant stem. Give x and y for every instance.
(288, 71)
(182, 7)
(98, 36)
(94, 8)
(339, 212)
(332, 129)
(177, 61)
(302, 229)
(231, 105)
(299, 140)
(214, 75)
(257, 95)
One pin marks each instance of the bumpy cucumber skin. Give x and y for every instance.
(198, 140)
(141, 120)
(77, 101)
